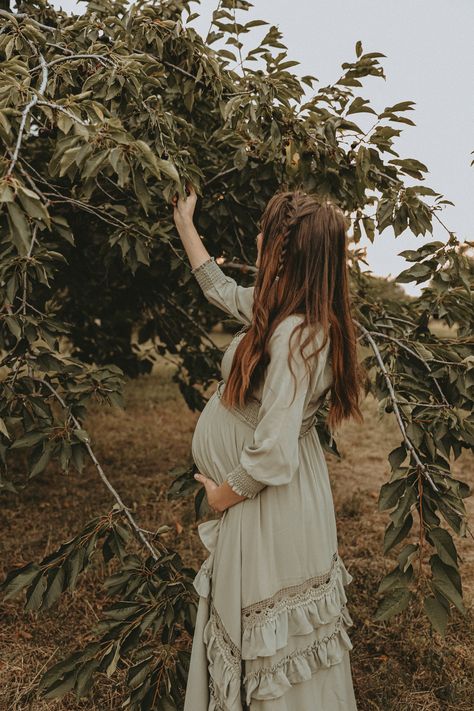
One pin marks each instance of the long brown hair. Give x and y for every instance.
(305, 244)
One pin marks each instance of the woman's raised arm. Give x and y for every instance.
(183, 218)
(218, 288)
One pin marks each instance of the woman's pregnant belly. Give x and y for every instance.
(287, 532)
(218, 440)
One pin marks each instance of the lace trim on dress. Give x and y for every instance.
(216, 703)
(229, 650)
(224, 664)
(289, 598)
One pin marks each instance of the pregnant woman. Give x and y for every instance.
(271, 628)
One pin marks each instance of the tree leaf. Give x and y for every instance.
(392, 604)
(29, 439)
(390, 493)
(18, 579)
(19, 227)
(35, 593)
(444, 546)
(437, 614)
(395, 534)
(443, 583)
(54, 590)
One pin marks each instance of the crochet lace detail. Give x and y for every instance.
(230, 652)
(218, 704)
(292, 597)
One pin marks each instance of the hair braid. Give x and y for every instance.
(290, 221)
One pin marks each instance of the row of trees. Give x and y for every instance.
(103, 117)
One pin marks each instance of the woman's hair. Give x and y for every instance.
(304, 244)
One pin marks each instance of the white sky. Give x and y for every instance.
(429, 60)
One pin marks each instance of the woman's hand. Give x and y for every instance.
(184, 207)
(212, 491)
(219, 497)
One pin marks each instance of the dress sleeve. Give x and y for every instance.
(224, 292)
(273, 457)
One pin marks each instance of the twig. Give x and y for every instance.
(18, 363)
(33, 308)
(70, 57)
(58, 46)
(395, 318)
(25, 16)
(113, 491)
(220, 175)
(450, 232)
(241, 267)
(212, 20)
(26, 111)
(187, 316)
(58, 107)
(418, 357)
(241, 62)
(180, 70)
(25, 273)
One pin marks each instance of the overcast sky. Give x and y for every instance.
(429, 52)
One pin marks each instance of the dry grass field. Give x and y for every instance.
(397, 665)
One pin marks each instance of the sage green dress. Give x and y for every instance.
(271, 628)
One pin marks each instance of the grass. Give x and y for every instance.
(398, 665)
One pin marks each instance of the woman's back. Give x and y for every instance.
(319, 365)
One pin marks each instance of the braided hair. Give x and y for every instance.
(290, 221)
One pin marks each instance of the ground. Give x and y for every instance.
(398, 665)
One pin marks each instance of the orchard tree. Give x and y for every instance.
(103, 117)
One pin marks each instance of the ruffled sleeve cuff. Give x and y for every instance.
(243, 484)
(209, 274)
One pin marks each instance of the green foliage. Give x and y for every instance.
(45, 582)
(141, 631)
(103, 117)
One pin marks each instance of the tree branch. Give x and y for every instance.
(26, 111)
(396, 409)
(220, 175)
(58, 107)
(24, 16)
(136, 528)
(418, 357)
(70, 57)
